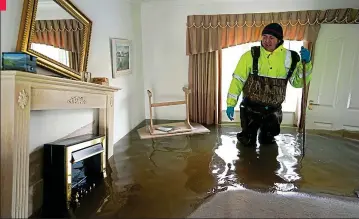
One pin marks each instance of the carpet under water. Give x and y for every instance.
(251, 204)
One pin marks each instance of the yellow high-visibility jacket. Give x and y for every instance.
(270, 64)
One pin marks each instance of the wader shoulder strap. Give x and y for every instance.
(255, 50)
(255, 55)
(295, 60)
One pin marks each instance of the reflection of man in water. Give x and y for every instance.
(258, 169)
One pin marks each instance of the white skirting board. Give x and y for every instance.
(288, 117)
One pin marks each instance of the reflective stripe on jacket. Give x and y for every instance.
(270, 64)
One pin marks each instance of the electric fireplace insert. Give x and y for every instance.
(72, 169)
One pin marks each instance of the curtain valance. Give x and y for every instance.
(207, 33)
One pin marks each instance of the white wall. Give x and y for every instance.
(164, 39)
(111, 18)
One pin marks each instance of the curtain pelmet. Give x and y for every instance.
(207, 33)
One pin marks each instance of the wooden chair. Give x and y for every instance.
(187, 123)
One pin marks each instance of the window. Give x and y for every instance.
(57, 54)
(230, 57)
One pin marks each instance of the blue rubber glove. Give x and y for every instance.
(305, 55)
(230, 112)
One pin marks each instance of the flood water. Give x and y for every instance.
(170, 177)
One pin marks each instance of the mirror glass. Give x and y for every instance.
(57, 34)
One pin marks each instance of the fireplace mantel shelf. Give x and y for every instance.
(22, 92)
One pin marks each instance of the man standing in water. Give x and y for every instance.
(262, 74)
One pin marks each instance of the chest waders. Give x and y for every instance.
(261, 108)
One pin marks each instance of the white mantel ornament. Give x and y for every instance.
(23, 99)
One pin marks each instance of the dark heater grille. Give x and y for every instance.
(72, 168)
(87, 152)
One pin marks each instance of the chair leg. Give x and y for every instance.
(187, 122)
(150, 104)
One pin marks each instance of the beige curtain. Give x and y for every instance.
(74, 60)
(203, 80)
(303, 102)
(210, 33)
(65, 34)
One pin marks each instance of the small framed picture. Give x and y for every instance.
(121, 57)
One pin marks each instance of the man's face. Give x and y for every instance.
(269, 42)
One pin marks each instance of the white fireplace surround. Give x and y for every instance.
(22, 92)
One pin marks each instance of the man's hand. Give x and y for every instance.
(305, 54)
(230, 112)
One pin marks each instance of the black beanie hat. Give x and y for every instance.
(274, 29)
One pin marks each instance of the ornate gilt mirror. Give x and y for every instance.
(58, 34)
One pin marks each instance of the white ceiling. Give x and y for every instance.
(344, 2)
(196, 0)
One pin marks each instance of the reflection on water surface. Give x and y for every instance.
(172, 176)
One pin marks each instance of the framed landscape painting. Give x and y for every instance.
(121, 56)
